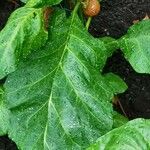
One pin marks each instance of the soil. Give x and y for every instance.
(114, 20)
(117, 16)
(7, 144)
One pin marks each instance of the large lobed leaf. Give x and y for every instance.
(58, 98)
(135, 45)
(135, 135)
(23, 33)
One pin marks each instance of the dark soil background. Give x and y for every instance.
(114, 20)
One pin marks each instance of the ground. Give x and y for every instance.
(114, 20)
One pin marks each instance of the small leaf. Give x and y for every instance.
(135, 45)
(58, 98)
(23, 33)
(135, 135)
(116, 83)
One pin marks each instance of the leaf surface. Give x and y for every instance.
(115, 83)
(135, 135)
(4, 115)
(40, 3)
(58, 98)
(111, 44)
(23, 33)
(135, 45)
(119, 120)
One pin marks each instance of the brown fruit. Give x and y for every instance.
(91, 7)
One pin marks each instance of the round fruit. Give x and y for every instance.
(91, 7)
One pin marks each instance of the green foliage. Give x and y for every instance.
(115, 83)
(40, 3)
(135, 135)
(135, 45)
(55, 95)
(4, 115)
(119, 120)
(111, 44)
(23, 33)
(59, 92)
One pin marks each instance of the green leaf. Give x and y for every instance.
(40, 3)
(115, 83)
(110, 44)
(135, 45)
(135, 135)
(119, 120)
(4, 116)
(58, 98)
(1, 92)
(23, 33)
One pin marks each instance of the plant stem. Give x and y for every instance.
(122, 108)
(76, 7)
(88, 22)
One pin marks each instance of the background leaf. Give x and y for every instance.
(23, 33)
(135, 135)
(40, 3)
(58, 98)
(135, 45)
